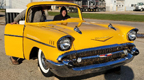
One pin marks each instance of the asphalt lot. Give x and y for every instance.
(28, 70)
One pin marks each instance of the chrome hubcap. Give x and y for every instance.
(43, 61)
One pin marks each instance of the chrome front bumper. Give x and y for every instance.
(65, 68)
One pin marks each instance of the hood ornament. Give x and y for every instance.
(111, 27)
(77, 30)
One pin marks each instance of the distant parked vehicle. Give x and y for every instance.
(140, 6)
(88, 5)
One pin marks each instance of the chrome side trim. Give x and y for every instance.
(13, 35)
(29, 39)
(90, 49)
(103, 64)
(40, 42)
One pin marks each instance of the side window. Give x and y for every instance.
(46, 13)
(68, 11)
(38, 14)
(35, 15)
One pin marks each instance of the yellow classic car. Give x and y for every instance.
(70, 47)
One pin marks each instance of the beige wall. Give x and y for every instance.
(17, 4)
(20, 4)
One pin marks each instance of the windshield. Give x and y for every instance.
(49, 13)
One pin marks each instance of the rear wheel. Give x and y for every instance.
(42, 64)
(99, 9)
(86, 9)
(104, 9)
(72, 10)
(81, 9)
(89, 10)
(94, 10)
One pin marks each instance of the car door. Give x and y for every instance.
(14, 40)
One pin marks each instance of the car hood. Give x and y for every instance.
(92, 34)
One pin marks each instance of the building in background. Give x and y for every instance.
(2, 4)
(20, 4)
(111, 5)
(121, 5)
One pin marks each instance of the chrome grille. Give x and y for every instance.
(99, 60)
(98, 52)
(73, 56)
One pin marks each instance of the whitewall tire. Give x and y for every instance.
(41, 63)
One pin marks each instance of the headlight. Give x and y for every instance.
(132, 34)
(64, 43)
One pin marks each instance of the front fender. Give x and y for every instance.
(44, 39)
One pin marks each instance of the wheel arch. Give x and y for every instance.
(31, 51)
(34, 53)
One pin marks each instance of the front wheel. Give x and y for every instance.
(42, 64)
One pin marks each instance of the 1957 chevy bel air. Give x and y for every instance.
(71, 47)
